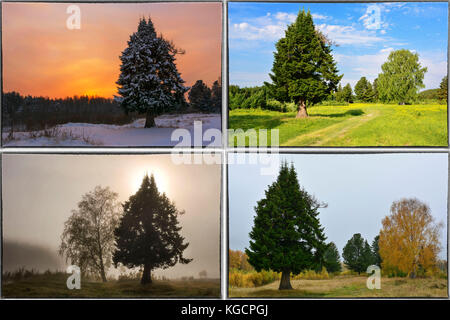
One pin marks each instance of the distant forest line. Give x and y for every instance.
(30, 113)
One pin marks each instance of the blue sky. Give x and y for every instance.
(363, 43)
(359, 190)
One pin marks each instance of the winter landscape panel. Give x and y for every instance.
(111, 74)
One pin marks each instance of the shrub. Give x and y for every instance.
(290, 107)
(312, 275)
(349, 272)
(274, 105)
(235, 101)
(240, 279)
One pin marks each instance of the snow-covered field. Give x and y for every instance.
(132, 135)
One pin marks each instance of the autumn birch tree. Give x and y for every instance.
(409, 239)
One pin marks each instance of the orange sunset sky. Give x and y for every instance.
(42, 57)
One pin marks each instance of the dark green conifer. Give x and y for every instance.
(304, 70)
(287, 236)
(149, 233)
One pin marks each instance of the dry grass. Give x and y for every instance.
(56, 133)
(53, 285)
(350, 286)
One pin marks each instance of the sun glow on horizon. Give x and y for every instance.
(42, 57)
(138, 176)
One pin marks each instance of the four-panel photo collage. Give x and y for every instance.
(224, 150)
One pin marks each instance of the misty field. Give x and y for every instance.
(358, 124)
(54, 286)
(349, 286)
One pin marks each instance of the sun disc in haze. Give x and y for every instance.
(138, 176)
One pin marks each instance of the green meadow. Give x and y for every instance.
(355, 125)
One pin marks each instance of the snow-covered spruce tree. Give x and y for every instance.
(149, 81)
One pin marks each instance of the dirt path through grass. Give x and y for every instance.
(321, 137)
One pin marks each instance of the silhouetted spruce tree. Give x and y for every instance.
(357, 254)
(149, 233)
(376, 251)
(304, 70)
(332, 259)
(149, 81)
(287, 236)
(200, 96)
(216, 96)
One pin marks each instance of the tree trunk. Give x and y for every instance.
(100, 252)
(412, 274)
(285, 283)
(150, 119)
(102, 272)
(301, 110)
(146, 274)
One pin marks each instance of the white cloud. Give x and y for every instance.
(319, 16)
(285, 17)
(349, 35)
(271, 27)
(386, 50)
(356, 66)
(247, 31)
(436, 64)
(250, 79)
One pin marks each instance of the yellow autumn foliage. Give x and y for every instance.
(240, 279)
(409, 239)
(312, 275)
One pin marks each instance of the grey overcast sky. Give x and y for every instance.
(39, 192)
(359, 190)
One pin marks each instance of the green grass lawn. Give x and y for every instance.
(54, 286)
(349, 286)
(359, 124)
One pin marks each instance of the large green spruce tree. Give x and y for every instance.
(287, 236)
(149, 233)
(304, 70)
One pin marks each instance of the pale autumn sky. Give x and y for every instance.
(42, 57)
